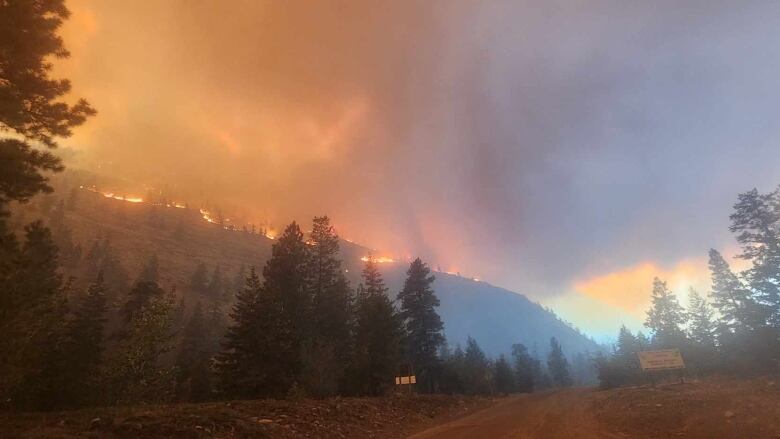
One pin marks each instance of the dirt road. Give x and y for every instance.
(715, 408)
(549, 415)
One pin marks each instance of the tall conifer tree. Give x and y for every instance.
(738, 311)
(262, 352)
(84, 346)
(422, 323)
(378, 333)
(666, 316)
(755, 220)
(558, 365)
(329, 349)
(193, 377)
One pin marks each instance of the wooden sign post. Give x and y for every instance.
(406, 377)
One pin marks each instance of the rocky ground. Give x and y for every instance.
(390, 417)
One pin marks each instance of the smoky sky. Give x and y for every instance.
(529, 143)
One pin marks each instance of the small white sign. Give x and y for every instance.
(665, 359)
(406, 380)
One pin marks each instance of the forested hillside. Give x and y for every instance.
(86, 223)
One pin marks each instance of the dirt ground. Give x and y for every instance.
(391, 417)
(712, 409)
(718, 408)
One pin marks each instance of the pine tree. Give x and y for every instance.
(738, 311)
(666, 317)
(257, 347)
(135, 372)
(701, 331)
(755, 221)
(377, 335)
(702, 325)
(503, 378)
(643, 343)
(102, 258)
(558, 365)
(422, 323)
(84, 347)
(285, 282)
(240, 365)
(33, 322)
(30, 296)
(451, 377)
(262, 351)
(328, 351)
(542, 379)
(627, 344)
(142, 294)
(476, 370)
(626, 358)
(523, 368)
(32, 107)
(583, 372)
(193, 377)
(32, 104)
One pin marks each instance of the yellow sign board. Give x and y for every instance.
(665, 359)
(406, 380)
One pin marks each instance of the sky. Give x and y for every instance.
(568, 150)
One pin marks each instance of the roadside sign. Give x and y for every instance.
(406, 380)
(665, 359)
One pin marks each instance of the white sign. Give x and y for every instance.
(665, 359)
(406, 380)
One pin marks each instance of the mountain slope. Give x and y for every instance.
(181, 239)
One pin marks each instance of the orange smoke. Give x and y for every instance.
(629, 289)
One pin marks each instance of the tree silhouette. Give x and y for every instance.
(422, 323)
(31, 100)
(558, 365)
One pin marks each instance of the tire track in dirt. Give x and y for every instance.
(549, 415)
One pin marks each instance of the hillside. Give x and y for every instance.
(181, 239)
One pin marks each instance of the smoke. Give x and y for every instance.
(527, 143)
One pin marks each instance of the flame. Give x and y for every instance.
(206, 215)
(129, 199)
(378, 259)
(267, 231)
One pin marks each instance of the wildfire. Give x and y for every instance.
(378, 259)
(206, 215)
(115, 196)
(265, 231)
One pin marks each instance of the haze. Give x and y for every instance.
(567, 150)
